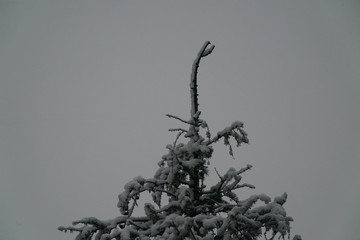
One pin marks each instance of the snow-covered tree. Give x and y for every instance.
(183, 207)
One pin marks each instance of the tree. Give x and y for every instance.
(192, 210)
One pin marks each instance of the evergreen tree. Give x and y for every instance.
(183, 206)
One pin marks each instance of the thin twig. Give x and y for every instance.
(218, 174)
(132, 207)
(176, 130)
(181, 120)
(177, 138)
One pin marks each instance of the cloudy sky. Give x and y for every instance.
(85, 86)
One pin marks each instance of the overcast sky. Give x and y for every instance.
(85, 86)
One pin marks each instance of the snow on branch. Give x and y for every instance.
(182, 206)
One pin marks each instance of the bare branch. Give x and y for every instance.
(177, 130)
(177, 137)
(181, 120)
(193, 83)
(218, 174)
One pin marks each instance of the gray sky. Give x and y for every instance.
(85, 86)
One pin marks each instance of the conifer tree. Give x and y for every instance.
(183, 207)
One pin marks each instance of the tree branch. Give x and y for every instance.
(181, 120)
(193, 83)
